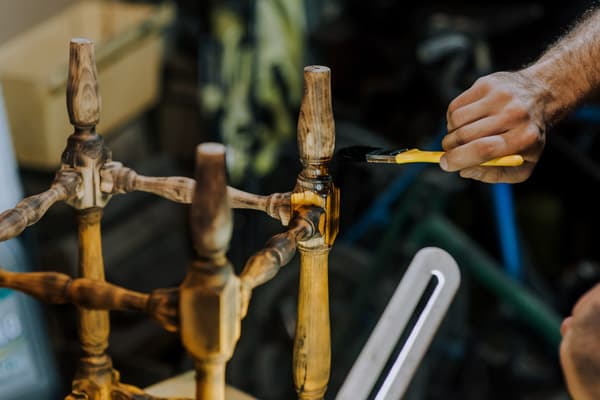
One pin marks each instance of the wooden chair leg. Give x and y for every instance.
(316, 142)
(212, 300)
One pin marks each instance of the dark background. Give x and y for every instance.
(384, 93)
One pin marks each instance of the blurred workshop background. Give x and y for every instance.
(174, 74)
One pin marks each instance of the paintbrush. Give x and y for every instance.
(405, 156)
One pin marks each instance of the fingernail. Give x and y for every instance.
(444, 164)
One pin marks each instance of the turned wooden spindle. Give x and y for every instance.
(57, 288)
(83, 105)
(208, 306)
(118, 179)
(278, 251)
(83, 97)
(276, 205)
(94, 373)
(316, 127)
(85, 153)
(316, 142)
(210, 293)
(30, 210)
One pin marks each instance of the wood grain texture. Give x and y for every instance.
(101, 382)
(316, 142)
(210, 292)
(278, 251)
(211, 217)
(57, 288)
(85, 151)
(312, 345)
(86, 154)
(83, 96)
(94, 378)
(211, 301)
(276, 205)
(78, 183)
(117, 179)
(316, 128)
(93, 325)
(31, 209)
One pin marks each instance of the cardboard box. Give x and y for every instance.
(33, 72)
(18, 16)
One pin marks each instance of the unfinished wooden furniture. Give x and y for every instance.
(397, 345)
(207, 308)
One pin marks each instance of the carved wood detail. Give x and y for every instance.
(30, 210)
(117, 179)
(57, 288)
(207, 308)
(316, 142)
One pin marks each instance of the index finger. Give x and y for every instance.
(475, 152)
(471, 95)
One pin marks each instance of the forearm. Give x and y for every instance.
(509, 112)
(569, 70)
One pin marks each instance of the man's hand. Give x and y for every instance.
(501, 114)
(580, 347)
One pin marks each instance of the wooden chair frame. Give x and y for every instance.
(207, 308)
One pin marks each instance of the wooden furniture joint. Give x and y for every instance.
(207, 308)
(117, 179)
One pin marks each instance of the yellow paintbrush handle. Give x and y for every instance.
(416, 155)
(507, 161)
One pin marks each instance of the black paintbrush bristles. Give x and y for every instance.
(360, 153)
(354, 153)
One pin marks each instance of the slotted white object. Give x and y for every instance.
(428, 262)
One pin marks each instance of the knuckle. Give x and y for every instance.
(527, 139)
(451, 161)
(455, 119)
(450, 118)
(504, 94)
(459, 137)
(452, 107)
(484, 83)
(483, 80)
(531, 135)
(487, 149)
(446, 143)
(516, 111)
